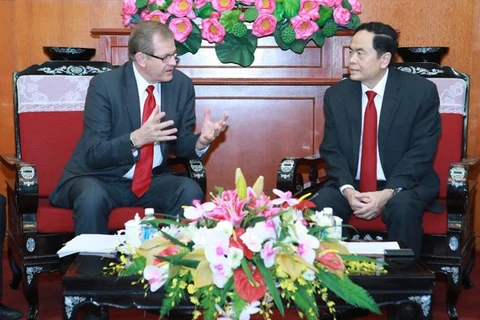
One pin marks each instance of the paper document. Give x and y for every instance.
(370, 247)
(92, 243)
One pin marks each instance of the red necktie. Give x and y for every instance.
(143, 169)
(368, 170)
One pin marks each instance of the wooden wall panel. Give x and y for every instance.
(259, 131)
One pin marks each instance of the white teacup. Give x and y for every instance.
(133, 233)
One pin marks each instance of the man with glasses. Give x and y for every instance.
(134, 116)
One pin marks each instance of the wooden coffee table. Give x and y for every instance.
(406, 288)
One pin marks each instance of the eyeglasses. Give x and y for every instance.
(164, 59)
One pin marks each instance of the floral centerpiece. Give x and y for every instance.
(235, 25)
(243, 253)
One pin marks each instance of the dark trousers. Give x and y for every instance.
(3, 225)
(402, 214)
(92, 199)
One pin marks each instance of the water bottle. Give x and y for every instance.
(147, 230)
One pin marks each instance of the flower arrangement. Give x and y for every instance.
(235, 25)
(243, 253)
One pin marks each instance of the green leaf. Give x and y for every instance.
(348, 291)
(247, 271)
(192, 43)
(354, 22)
(319, 39)
(225, 291)
(173, 240)
(326, 13)
(279, 11)
(134, 266)
(292, 7)
(229, 18)
(205, 11)
(141, 3)
(237, 50)
(180, 262)
(306, 302)
(270, 284)
(347, 5)
(296, 46)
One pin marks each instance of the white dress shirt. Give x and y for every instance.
(142, 85)
(379, 89)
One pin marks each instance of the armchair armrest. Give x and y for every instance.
(459, 186)
(291, 173)
(194, 169)
(26, 182)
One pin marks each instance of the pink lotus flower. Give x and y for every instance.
(309, 8)
(199, 3)
(223, 5)
(304, 27)
(157, 2)
(212, 29)
(341, 16)
(181, 28)
(356, 6)
(182, 8)
(331, 3)
(264, 25)
(265, 6)
(128, 10)
(229, 207)
(155, 15)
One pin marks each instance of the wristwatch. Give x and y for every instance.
(132, 144)
(396, 190)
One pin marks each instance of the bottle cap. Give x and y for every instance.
(149, 211)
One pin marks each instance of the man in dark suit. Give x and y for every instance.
(6, 313)
(406, 110)
(123, 139)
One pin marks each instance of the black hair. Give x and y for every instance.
(385, 37)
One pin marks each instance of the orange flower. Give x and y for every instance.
(245, 289)
(331, 260)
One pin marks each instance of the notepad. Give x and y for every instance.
(370, 247)
(91, 244)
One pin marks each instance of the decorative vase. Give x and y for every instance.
(422, 54)
(69, 53)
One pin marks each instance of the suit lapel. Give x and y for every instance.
(130, 96)
(165, 106)
(354, 114)
(390, 104)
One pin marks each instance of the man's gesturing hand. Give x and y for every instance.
(210, 130)
(153, 130)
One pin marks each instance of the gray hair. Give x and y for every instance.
(141, 38)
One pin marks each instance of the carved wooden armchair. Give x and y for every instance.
(49, 101)
(449, 240)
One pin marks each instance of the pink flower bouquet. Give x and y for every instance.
(244, 253)
(239, 23)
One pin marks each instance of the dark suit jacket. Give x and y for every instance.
(408, 133)
(112, 112)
